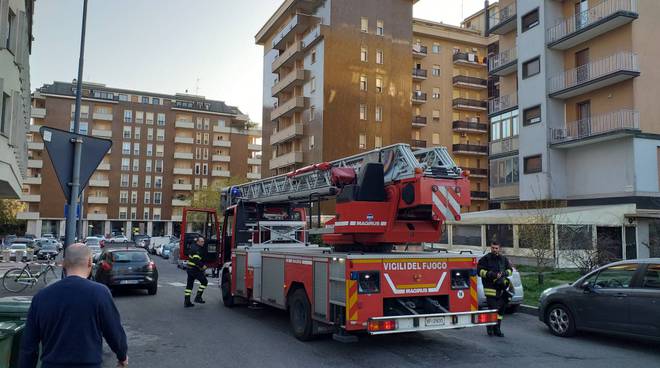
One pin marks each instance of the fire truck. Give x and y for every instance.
(362, 279)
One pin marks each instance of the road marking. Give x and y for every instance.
(180, 284)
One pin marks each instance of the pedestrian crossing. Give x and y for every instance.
(182, 285)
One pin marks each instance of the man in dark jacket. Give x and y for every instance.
(196, 271)
(494, 270)
(70, 319)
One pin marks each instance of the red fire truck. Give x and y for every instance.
(359, 281)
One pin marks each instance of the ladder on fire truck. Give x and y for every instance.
(315, 182)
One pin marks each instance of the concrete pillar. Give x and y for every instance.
(62, 227)
(85, 229)
(106, 227)
(150, 227)
(643, 241)
(129, 230)
(169, 228)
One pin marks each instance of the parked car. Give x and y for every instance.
(141, 240)
(119, 239)
(48, 236)
(95, 241)
(126, 267)
(159, 240)
(48, 251)
(621, 298)
(29, 236)
(8, 240)
(16, 247)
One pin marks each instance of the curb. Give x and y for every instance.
(528, 309)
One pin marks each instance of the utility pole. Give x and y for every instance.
(71, 215)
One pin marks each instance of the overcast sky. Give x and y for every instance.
(206, 46)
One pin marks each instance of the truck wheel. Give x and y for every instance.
(300, 315)
(225, 285)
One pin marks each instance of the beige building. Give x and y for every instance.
(15, 48)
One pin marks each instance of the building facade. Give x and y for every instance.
(165, 148)
(15, 48)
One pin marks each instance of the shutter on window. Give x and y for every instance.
(21, 40)
(4, 25)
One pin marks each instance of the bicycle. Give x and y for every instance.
(17, 279)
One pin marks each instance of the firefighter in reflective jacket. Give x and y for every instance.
(196, 271)
(494, 270)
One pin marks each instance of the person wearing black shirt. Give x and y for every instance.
(495, 270)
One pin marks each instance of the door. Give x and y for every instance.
(609, 242)
(581, 13)
(582, 65)
(645, 302)
(583, 119)
(604, 305)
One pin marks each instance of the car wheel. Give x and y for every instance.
(153, 289)
(560, 320)
(300, 315)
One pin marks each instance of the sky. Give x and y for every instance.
(205, 46)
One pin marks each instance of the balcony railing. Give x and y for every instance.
(477, 172)
(420, 73)
(296, 23)
(286, 159)
(287, 133)
(294, 78)
(419, 96)
(469, 104)
(311, 36)
(473, 81)
(498, 20)
(286, 56)
(419, 120)
(416, 143)
(293, 104)
(470, 148)
(616, 121)
(501, 63)
(419, 50)
(502, 103)
(625, 63)
(467, 58)
(506, 145)
(38, 112)
(605, 11)
(469, 125)
(478, 194)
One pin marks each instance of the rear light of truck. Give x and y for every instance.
(484, 318)
(382, 325)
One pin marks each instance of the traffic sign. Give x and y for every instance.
(59, 144)
(66, 211)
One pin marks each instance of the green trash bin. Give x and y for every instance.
(10, 338)
(14, 308)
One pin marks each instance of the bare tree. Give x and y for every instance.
(536, 234)
(578, 248)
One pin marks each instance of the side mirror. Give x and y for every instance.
(587, 287)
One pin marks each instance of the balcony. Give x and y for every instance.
(177, 186)
(469, 126)
(254, 161)
(288, 33)
(220, 158)
(32, 180)
(185, 124)
(468, 59)
(289, 107)
(477, 173)
(38, 112)
(502, 104)
(183, 155)
(503, 21)
(290, 81)
(221, 143)
(101, 183)
(469, 82)
(287, 57)
(470, 149)
(36, 146)
(184, 140)
(504, 63)
(181, 202)
(35, 164)
(286, 159)
(102, 116)
(419, 121)
(602, 18)
(504, 192)
(416, 144)
(594, 75)
(420, 74)
(102, 133)
(479, 195)
(97, 216)
(469, 104)
(182, 171)
(253, 176)
(286, 134)
(418, 97)
(27, 216)
(97, 200)
(220, 173)
(34, 128)
(103, 166)
(599, 128)
(254, 147)
(504, 146)
(32, 198)
(419, 51)
(221, 129)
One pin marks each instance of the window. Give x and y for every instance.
(205, 153)
(123, 196)
(199, 123)
(379, 85)
(379, 113)
(147, 181)
(502, 233)
(378, 142)
(435, 139)
(615, 277)
(134, 197)
(574, 237)
(532, 164)
(504, 171)
(380, 28)
(150, 149)
(4, 119)
(147, 165)
(313, 56)
(147, 199)
(155, 101)
(136, 149)
(207, 123)
(198, 138)
(196, 184)
(467, 235)
(312, 84)
(125, 163)
(127, 132)
(139, 117)
(123, 97)
(363, 83)
(123, 213)
(197, 168)
(160, 150)
(531, 68)
(133, 213)
(126, 148)
(158, 182)
(362, 141)
(435, 71)
(145, 99)
(124, 181)
(363, 112)
(364, 24)
(436, 115)
(532, 115)
(652, 277)
(160, 134)
(206, 138)
(364, 54)
(205, 169)
(161, 119)
(136, 132)
(158, 199)
(128, 116)
(135, 181)
(136, 164)
(436, 93)
(83, 128)
(150, 134)
(156, 211)
(146, 211)
(530, 20)
(435, 48)
(535, 236)
(311, 142)
(380, 58)
(312, 113)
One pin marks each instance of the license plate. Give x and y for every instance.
(128, 282)
(435, 321)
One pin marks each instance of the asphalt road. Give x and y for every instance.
(163, 334)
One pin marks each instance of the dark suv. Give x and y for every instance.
(621, 297)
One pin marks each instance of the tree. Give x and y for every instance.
(536, 235)
(9, 224)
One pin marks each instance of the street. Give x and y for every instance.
(161, 333)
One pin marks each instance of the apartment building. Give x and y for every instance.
(15, 48)
(450, 95)
(337, 79)
(573, 121)
(165, 147)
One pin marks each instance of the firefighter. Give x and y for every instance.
(494, 270)
(196, 271)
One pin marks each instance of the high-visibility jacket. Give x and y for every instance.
(195, 257)
(488, 268)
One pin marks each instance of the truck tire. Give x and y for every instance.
(300, 315)
(225, 285)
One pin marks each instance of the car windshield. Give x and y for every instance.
(92, 242)
(18, 246)
(48, 247)
(130, 257)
